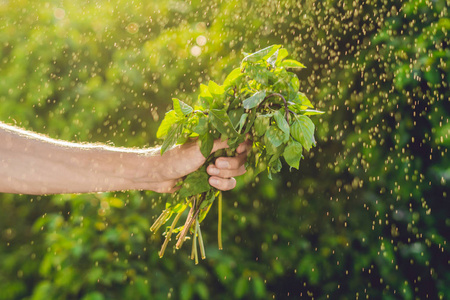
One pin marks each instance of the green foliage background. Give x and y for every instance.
(366, 217)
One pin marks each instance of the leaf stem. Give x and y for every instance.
(219, 223)
(194, 254)
(160, 220)
(200, 111)
(186, 226)
(169, 234)
(200, 240)
(285, 103)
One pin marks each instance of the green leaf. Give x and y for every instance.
(293, 153)
(275, 136)
(260, 163)
(250, 121)
(276, 165)
(221, 121)
(178, 208)
(276, 153)
(170, 119)
(218, 94)
(235, 102)
(204, 91)
(215, 89)
(234, 76)
(258, 55)
(259, 288)
(142, 287)
(206, 144)
(210, 196)
(290, 63)
(181, 108)
(186, 291)
(294, 84)
(273, 58)
(45, 290)
(282, 54)
(235, 116)
(195, 183)
(100, 254)
(202, 125)
(311, 112)
(182, 138)
(202, 290)
(242, 121)
(206, 208)
(254, 100)
(93, 296)
(241, 287)
(261, 125)
(282, 124)
(204, 204)
(260, 74)
(303, 131)
(223, 272)
(283, 79)
(234, 142)
(301, 102)
(205, 98)
(172, 137)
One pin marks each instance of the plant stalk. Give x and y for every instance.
(169, 234)
(200, 240)
(187, 225)
(219, 222)
(159, 221)
(194, 254)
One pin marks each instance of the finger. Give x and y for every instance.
(230, 163)
(244, 147)
(169, 186)
(222, 183)
(213, 171)
(219, 144)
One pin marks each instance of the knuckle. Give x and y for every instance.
(234, 163)
(212, 170)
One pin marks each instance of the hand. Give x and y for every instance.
(187, 158)
(225, 168)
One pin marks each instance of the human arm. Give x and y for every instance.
(35, 164)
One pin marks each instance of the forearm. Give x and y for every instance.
(33, 164)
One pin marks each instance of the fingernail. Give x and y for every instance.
(213, 171)
(223, 164)
(214, 181)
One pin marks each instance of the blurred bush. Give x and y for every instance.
(365, 217)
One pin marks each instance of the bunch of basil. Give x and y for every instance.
(261, 101)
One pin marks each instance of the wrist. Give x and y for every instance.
(142, 169)
(148, 171)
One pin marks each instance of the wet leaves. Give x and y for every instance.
(221, 113)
